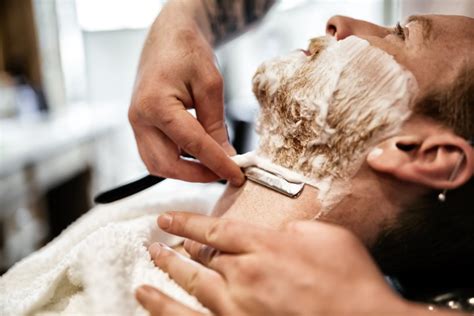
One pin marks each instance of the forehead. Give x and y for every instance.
(453, 28)
(438, 47)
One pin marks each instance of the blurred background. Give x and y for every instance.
(67, 69)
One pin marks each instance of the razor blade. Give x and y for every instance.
(274, 182)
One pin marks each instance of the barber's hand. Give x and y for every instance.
(309, 268)
(177, 71)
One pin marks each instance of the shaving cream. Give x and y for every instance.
(321, 114)
(252, 159)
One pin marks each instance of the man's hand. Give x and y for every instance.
(309, 268)
(177, 72)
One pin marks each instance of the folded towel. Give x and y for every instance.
(96, 264)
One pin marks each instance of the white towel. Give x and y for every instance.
(96, 264)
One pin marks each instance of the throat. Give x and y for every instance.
(259, 205)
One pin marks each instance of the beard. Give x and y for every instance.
(321, 113)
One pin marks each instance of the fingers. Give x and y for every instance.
(207, 285)
(208, 92)
(222, 234)
(157, 303)
(208, 256)
(193, 248)
(195, 141)
(186, 132)
(176, 72)
(161, 157)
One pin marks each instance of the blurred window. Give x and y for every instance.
(106, 15)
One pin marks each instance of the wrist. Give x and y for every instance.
(194, 16)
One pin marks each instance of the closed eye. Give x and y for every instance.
(399, 31)
(406, 147)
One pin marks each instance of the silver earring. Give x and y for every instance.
(442, 195)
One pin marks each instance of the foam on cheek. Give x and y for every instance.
(321, 115)
(281, 67)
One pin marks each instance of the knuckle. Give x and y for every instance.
(193, 146)
(132, 115)
(214, 231)
(168, 172)
(160, 167)
(215, 126)
(248, 272)
(169, 120)
(146, 108)
(193, 282)
(153, 169)
(215, 82)
(156, 169)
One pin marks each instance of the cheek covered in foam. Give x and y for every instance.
(320, 114)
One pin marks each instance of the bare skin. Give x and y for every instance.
(237, 282)
(267, 250)
(177, 72)
(409, 171)
(433, 47)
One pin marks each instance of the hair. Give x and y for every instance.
(453, 106)
(432, 243)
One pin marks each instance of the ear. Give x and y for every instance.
(438, 161)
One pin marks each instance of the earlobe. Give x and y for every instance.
(442, 161)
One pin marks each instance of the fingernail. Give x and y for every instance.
(164, 221)
(237, 182)
(154, 250)
(229, 149)
(374, 153)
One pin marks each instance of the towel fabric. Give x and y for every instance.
(96, 264)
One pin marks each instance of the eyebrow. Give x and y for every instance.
(426, 24)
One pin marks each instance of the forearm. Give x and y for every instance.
(228, 18)
(218, 20)
(191, 14)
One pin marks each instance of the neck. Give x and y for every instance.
(372, 204)
(262, 206)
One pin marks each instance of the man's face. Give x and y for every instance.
(433, 50)
(323, 110)
(433, 47)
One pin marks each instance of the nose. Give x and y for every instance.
(341, 27)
